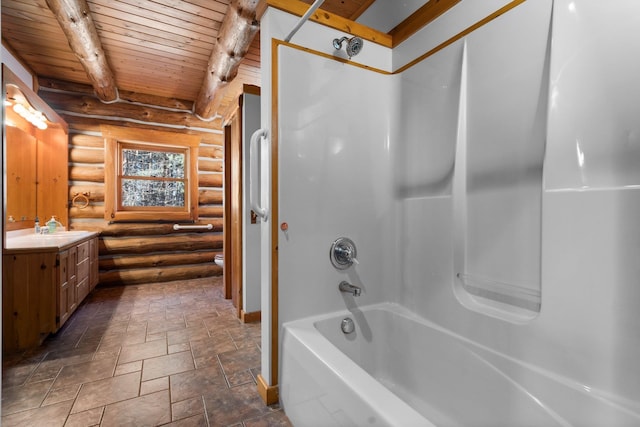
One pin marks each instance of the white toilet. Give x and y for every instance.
(219, 260)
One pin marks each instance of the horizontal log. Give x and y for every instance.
(86, 155)
(158, 274)
(210, 165)
(90, 124)
(148, 244)
(96, 192)
(210, 180)
(82, 140)
(125, 229)
(86, 173)
(210, 211)
(86, 224)
(91, 106)
(211, 151)
(90, 211)
(158, 260)
(210, 197)
(61, 85)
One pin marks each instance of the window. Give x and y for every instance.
(150, 175)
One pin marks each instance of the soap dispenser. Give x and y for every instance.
(51, 224)
(37, 228)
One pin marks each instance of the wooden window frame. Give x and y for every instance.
(118, 138)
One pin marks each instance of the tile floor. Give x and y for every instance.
(148, 355)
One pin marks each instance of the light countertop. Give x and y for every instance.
(24, 240)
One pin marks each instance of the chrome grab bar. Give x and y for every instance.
(193, 227)
(254, 174)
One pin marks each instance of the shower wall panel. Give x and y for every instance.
(587, 326)
(334, 180)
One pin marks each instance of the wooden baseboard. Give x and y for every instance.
(268, 393)
(254, 316)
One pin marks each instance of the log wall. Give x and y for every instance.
(135, 253)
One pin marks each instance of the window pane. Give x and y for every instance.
(136, 192)
(157, 164)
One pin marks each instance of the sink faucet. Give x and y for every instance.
(349, 288)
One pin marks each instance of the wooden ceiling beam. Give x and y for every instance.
(74, 17)
(237, 31)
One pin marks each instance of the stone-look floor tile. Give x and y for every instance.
(186, 335)
(212, 346)
(18, 374)
(167, 325)
(107, 353)
(142, 351)
(61, 394)
(196, 382)
(128, 368)
(56, 360)
(24, 397)
(123, 338)
(151, 386)
(109, 390)
(149, 410)
(230, 406)
(194, 421)
(91, 417)
(85, 372)
(240, 378)
(240, 360)
(167, 365)
(273, 419)
(156, 336)
(187, 408)
(177, 348)
(50, 416)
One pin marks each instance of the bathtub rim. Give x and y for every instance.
(307, 325)
(385, 403)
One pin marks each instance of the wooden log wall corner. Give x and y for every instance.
(136, 253)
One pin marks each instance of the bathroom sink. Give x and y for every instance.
(55, 240)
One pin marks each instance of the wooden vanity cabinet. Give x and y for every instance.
(42, 288)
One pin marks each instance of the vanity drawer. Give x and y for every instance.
(83, 251)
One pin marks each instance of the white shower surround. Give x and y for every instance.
(337, 168)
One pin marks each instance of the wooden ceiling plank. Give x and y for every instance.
(126, 54)
(110, 25)
(130, 13)
(75, 20)
(139, 45)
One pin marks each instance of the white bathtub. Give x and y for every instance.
(397, 369)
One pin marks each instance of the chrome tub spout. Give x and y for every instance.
(349, 288)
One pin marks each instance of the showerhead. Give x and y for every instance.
(354, 45)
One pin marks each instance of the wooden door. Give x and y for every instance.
(236, 209)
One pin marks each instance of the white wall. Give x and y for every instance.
(251, 232)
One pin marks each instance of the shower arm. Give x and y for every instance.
(316, 4)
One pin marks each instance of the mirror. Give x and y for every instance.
(32, 135)
(21, 163)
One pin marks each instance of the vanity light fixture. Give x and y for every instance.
(23, 108)
(32, 115)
